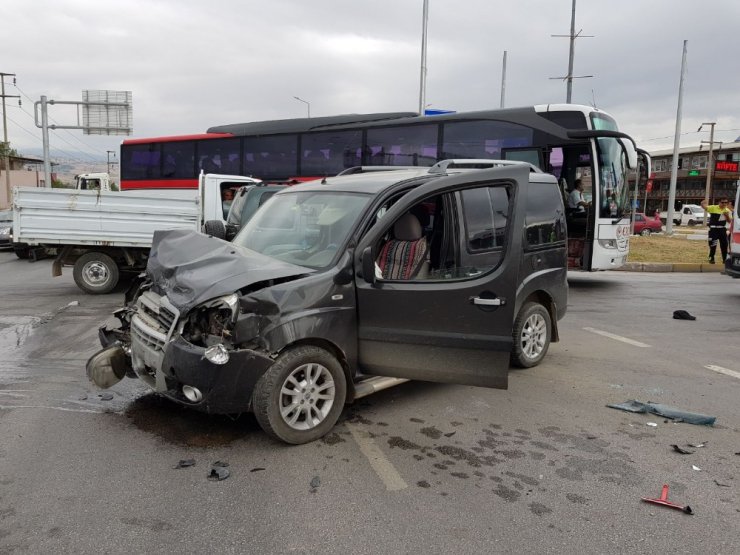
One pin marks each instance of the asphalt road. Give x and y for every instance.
(544, 466)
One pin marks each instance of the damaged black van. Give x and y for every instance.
(339, 288)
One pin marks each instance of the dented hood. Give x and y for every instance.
(191, 268)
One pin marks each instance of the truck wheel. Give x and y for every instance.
(22, 251)
(645, 232)
(215, 228)
(692, 223)
(96, 273)
(301, 396)
(532, 333)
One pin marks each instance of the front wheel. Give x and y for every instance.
(532, 333)
(301, 396)
(96, 273)
(645, 232)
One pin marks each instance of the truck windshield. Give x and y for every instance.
(303, 228)
(612, 162)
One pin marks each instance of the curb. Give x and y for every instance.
(671, 267)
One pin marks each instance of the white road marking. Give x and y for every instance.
(381, 465)
(724, 371)
(617, 337)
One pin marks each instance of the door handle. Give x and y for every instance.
(487, 302)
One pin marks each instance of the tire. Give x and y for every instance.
(282, 414)
(532, 333)
(645, 232)
(22, 252)
(215, 228)
(692, 223)
(96, 273)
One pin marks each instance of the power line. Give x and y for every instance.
(67, 154)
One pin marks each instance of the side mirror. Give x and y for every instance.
(630, 152)
(368, 265)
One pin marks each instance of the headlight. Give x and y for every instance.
(212, 322)
(217, 354)
(608, 243)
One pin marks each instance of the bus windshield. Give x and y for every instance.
(303, 228)
(612, 167)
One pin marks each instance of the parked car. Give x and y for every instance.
(645, 226)
(342, 287)
(6, 235)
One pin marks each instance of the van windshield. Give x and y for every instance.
(303, 228)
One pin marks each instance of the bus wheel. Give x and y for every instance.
(532, 333)
(301, 396)
(96, 273)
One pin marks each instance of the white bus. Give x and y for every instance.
(570, 141)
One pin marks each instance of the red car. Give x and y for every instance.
(645, 226)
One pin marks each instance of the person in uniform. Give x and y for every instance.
(719, 216)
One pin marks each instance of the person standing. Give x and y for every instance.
(719, 216)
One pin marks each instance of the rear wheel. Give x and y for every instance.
(692, 222)
(96, 273)
(301, 396)
(532, 333)
(645, 232)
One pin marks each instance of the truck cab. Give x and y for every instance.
(92, 182)
(338, 288)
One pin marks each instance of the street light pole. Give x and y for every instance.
(307, 103)
(710, 165)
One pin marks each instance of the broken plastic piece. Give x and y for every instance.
(663, 500)
(682, 315)
(184, 463)
(677, 449)
(652, 424)
(665, 410)
(694, 467)
(315, 482)
(218, 473)
(257, 469)
(105, 396)
(697, 445)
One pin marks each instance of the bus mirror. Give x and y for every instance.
(630, 152)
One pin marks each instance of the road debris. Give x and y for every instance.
(697, 445)
(694, 467)
(678, 449)
(449, 434)
(257, 469)
(720, 484)
(652, 424)
(184, 463)
(219, 471)
(682, 315)
(663, 500)
(315, 482)
(105, 396)
(664, 410)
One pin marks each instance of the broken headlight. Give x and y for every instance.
(212, 322)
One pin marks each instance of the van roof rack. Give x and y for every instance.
(365, 169)
(478, 164)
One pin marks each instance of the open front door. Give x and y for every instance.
(449, 317)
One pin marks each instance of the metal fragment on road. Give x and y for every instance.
(184, 463)
(678, 449)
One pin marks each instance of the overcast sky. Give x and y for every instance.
(192, 65)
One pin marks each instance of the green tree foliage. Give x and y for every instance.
(6, 150)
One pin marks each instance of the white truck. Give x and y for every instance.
(688, 214)
(103, 234)
(92, 182)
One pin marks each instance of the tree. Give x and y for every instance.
(6, 150)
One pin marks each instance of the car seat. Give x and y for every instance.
(405, 255)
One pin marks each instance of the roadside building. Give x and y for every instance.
(24, 172)
(693, 165)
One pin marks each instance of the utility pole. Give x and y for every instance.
(423, 77)
(5, 132)
(109, 152)
(710, 164)
(503, 81)
(571, 55)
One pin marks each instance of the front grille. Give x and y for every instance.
(155, 320)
